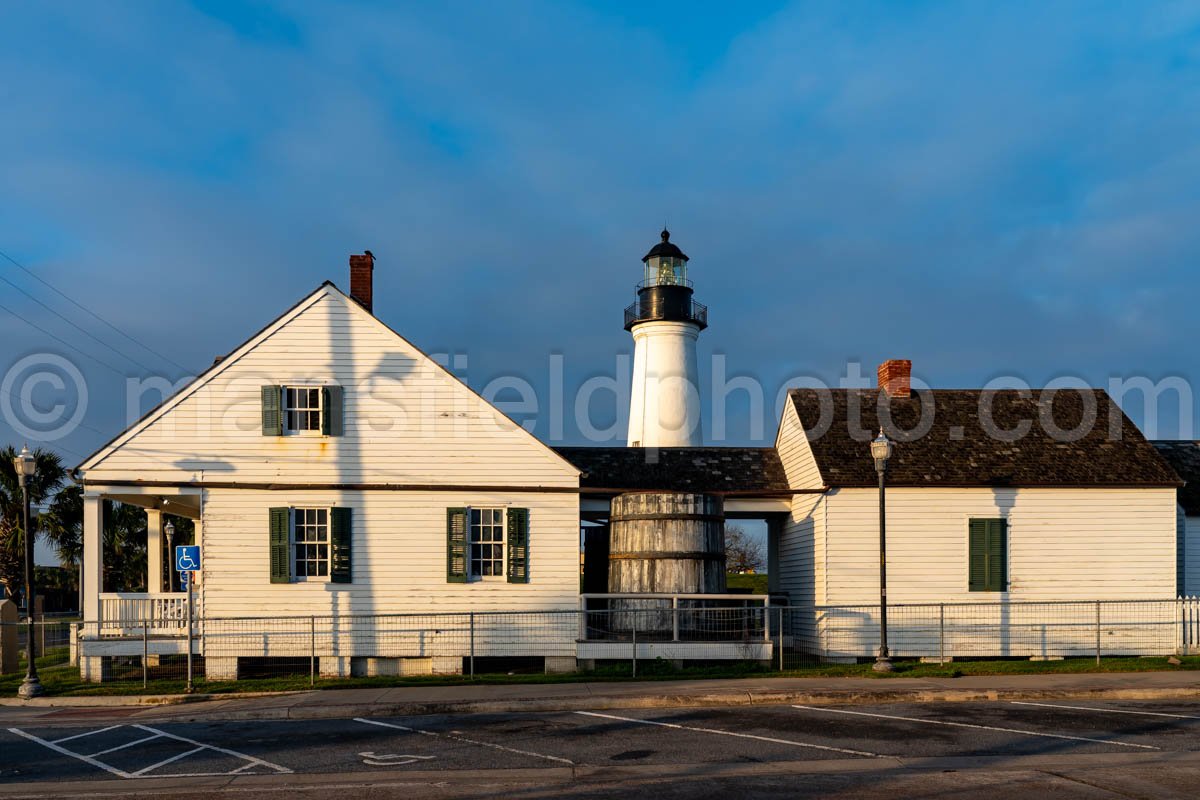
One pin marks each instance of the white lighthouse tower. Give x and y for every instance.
(664, 407)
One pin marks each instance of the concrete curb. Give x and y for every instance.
(711, 699)
(325, 706)
(129, 700)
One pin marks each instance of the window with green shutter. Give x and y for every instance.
(518, 545)
(456, 545)
(987, 561)
(279, 528)
(339, 545)
(272, 413)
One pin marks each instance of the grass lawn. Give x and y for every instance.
(64, 680)
(757, 584)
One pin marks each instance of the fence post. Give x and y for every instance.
(1097, 633)
(145, 652)
(312, 650)
(472, 657)
(941, 633)
(633, 630)
(780, 637)
(675, 617)
(1179, 640)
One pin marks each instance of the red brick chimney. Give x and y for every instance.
(361, 280)
(895, 377)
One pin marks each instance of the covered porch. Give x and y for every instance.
(161, 609)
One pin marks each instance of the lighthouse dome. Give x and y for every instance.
(665, 248)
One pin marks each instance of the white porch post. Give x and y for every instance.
(154, 552)
(93, 556)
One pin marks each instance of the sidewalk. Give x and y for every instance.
(418, 700)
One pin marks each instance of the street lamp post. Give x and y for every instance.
(26, 467)
(169, 530)
(881, 451)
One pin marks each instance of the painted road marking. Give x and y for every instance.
(374, 759)
(123, 746)
(198, 747)
(86, 759)
(89, 733)
(464, 739)
(979, 727)
(1106, 710)
(234, 753)
(732, 733)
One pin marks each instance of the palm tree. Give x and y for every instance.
(48, 479)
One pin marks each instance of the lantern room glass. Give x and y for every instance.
(666, 271)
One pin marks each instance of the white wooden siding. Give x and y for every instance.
(406, 420)
(794, 451)
(1064, 544)
(801, 564)
(398, 555)
(1191, 555)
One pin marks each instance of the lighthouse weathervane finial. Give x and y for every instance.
(664, 407)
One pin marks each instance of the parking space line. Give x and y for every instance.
(1105, 710)
(166, 761)
(978, 727)
(202, 745)
(87, 759)
(464, 739)
(732, 733)
(123, 746)
(86, 733)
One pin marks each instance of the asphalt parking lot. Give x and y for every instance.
(753, 743)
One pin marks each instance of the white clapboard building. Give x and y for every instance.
(334, 470)
(1184, 457)
(994, 500)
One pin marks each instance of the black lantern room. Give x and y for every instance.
(665, 293)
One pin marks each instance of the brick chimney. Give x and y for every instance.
(895, 377)
(361, 280)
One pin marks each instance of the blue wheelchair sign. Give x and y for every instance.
(187, 557)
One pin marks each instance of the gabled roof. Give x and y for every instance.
(960, 448)
(224, 363)
(716, 470)
(1184, 458)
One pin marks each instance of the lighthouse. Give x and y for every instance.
(664, 406)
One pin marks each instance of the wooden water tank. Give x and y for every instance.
(667, 543)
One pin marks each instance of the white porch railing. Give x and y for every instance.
(125, 613)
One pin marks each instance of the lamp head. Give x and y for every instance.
(25, 465)
(881, 451)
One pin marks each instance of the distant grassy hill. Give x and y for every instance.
(757, 584)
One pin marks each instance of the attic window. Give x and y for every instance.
(302, 409)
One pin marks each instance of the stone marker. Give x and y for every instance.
(10, 659)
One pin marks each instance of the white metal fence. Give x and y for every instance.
(632, 628)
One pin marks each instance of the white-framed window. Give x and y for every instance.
(302, 409)
(310, 543)
(486, 542)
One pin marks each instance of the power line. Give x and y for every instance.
(87, 310)
(76, 327)
(64, 342)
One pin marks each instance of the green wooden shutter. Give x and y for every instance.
(997, 555)
(272, 416)
(281, 563)
(456, 545)
(332, 423)
(339, 545)
(518, 545)
(988, 557)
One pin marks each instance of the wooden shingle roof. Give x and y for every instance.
(717, 470)
(969, 441)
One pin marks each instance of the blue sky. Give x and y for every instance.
(987, 189)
